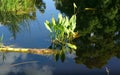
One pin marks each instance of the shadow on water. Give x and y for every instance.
(98, 26)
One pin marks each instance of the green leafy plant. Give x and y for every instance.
(62, 30)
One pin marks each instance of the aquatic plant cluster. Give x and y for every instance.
(62, 30)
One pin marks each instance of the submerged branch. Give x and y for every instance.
(28, 50)
(22, 63)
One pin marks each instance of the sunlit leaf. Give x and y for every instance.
(53, 21)
(66, 22)
(60, 18)
(47, 25)
(71, 46)
(74, 5)
(73, 22)
(63, 22)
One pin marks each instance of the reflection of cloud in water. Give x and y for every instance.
(37, 70)
(9, 59)
(33, 69)
(12, 57)
(4, 69)
(28, 69)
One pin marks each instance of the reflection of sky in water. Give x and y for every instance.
(36, 68)
(45, 65)
(38, 37)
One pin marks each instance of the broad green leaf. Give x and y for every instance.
(66, 22)
(73, 18)
(53, 21)
(47, 25)
(63, 22)
(73, 22)
(60, 18)
(71, 46)
(47, 22)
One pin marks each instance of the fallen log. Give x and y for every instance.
(28, 50)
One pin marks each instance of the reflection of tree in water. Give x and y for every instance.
(13, 17)
(12, 21)
(98, 25)
(96, 50)
(40, 5)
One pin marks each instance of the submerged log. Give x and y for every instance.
(28, 50)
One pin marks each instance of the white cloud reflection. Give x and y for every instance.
(35, 70)
(28, 69)
(5, 69)
(5, 66)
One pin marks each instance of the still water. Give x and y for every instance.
(98, 47)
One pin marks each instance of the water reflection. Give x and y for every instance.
(10, 58)
(17, 14)
(13, 65)
(45, 66)
(97, 50)
(98, 41)
(40, 5)
(36, 70)
(14, 20)
(104, 20)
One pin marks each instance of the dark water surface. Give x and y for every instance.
(98, 47)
